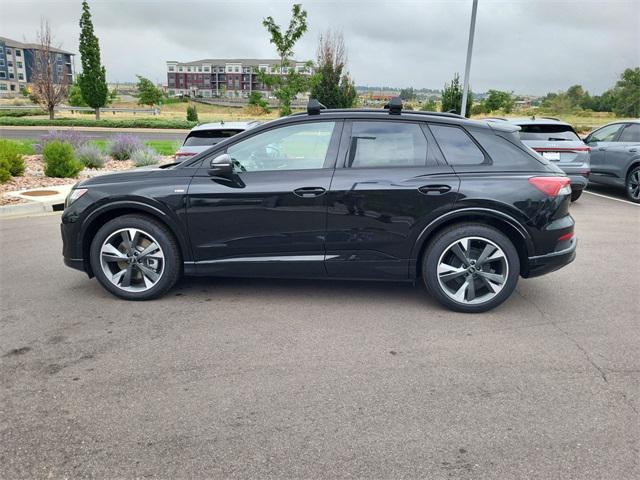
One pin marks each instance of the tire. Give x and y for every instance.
(143, 267)
(632, 185)
(575, 195)
(492, 281)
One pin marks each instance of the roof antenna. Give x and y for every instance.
(394, 106)
(314, 107)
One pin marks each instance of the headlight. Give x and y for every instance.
(75, 194)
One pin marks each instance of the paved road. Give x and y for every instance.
(290, 379)
(94, 134)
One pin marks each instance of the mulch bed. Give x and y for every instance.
(34, 176)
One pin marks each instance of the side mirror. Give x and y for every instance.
(222, 165)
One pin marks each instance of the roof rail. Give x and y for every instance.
(551, 118)
(314, 107)
(495, 118)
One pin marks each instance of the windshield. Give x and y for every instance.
(202, 138)
(548, 132)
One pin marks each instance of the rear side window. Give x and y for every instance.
(387, 144)
(506, 150)
(202, 138)
(551, 133)
(631, 133)
(456, 145)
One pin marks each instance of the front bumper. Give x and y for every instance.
(551, 262)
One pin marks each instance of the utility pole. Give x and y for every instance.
(467, 67)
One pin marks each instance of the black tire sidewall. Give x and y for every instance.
(575, 195)
(160, 234)
(626, 185)
(446, 238)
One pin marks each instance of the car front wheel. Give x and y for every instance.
(135, 257)
(633, 185)
(471, 268)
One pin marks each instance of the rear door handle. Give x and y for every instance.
(308, 192)
(434, 189)
(602, 148)
(633, 150)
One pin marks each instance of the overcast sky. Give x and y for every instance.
(528, 46)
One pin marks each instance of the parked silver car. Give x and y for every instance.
(615, 156)
(559, 143)
(203, 137)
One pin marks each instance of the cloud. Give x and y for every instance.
(524, 46)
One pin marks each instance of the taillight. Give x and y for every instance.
(566, 236)
(552, 186)
(184, 154)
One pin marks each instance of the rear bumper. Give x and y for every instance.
(551, 262)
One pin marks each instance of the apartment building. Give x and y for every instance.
(224, 77)
(17, 60)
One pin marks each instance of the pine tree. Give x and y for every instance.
(452, 97)
(92, 80)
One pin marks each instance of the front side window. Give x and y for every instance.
(631, 133)
(294, 147)
(386, 144)
(606, 134)
(457, 146)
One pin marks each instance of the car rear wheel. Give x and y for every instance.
(471, 268)
(575, 195)
(135, 258)
(633, 185)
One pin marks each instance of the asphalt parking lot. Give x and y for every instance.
(288, 379)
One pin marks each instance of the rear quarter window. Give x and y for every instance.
(456, 145)
(506, 150)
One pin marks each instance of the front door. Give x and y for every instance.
(389, 181)
(600, 141)
(269, 217)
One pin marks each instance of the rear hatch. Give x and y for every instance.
(557, 143)
(200, 140)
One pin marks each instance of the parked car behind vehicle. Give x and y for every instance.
(343, 194)
(615, 156)
(202, 137)
(558, 142)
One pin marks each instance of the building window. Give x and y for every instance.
(9, 51)
(1, 62)
(171, 69)
(20, 76)
(180, 69)
(3, 86)
(11, 76)
(205, 69)
(9, 63)
(3, 75)
(18, 53)
(237, 69)
(19, 64)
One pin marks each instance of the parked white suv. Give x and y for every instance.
(203, 137)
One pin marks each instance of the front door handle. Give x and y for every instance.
(308, 192)
(434, 189)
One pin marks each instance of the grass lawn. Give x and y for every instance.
(163, 147)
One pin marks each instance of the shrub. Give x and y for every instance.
(192, 113)
(11, 156)
(90, 156)
(123, 146)
(69, 136)
(145, 157)
(59, 160)
(103, 122)
(5, 174)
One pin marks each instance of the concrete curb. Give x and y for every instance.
(28, 209)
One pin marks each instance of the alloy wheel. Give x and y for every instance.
(132, 260)
(472, 270)
(633, 184)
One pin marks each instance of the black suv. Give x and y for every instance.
(342, 194)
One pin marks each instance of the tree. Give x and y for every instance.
(148, 93)
(75, 95)
(408, 94)
(498, 100)
(331, 84)
(286, 83)
(452, 97)
(627, 94)
(50, 85)
(255, 99)
(429, 106)
(92, 80)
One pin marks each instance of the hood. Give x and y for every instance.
(120, 177)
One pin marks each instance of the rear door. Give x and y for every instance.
(390, 182)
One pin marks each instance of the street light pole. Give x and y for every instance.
(467, 67)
